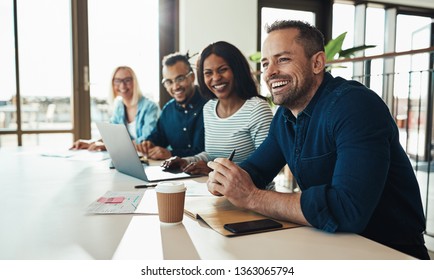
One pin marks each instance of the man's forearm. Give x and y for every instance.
(282, 206)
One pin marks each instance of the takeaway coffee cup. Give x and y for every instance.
(170, 198)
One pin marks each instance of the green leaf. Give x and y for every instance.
(347, 53)
(334, 46)
(256, 57)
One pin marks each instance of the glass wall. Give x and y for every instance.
(411, 89)
(7, 78)
(126, 33)
(375, 18)
(340, 25)
(121, 32)
(7, 54)
(41, 100)
(45, 69)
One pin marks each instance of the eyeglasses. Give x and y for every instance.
(126, 81)
(179, 79)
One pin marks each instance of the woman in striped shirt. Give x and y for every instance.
(236, 115)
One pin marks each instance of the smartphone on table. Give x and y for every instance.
(252, 226)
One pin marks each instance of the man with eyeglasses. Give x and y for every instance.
(179, 130)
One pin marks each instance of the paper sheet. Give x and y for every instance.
(139, 202)
(196, 188)
(132, 203)
(79, 155)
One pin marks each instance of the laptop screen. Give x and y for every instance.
(125, 159)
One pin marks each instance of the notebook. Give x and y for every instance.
(218, 211)
(125, 159)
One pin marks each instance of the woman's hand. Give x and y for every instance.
(97, 146)
(174, 163)
(89, 145)
(196, 168)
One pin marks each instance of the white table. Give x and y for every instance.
(42, 212)
(42, 216)
(146, 239)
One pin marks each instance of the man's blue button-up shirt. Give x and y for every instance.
(343, 149)
(180, 129)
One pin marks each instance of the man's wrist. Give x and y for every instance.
(255, 199)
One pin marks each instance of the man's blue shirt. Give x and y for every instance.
(181, 129)
(343, 149)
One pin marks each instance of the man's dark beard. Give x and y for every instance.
(186, 100)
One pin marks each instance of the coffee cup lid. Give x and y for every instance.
(170, 187)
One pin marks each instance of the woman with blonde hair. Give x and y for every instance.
(138, 113)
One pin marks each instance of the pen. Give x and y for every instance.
(149, 185)
(188, 165)
(231, 156)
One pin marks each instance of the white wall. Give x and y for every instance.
(205, 21)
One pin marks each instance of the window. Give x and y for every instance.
(125, 34)
(375, 18)
(41, 101)
(341, 24)
(411, 84)
(49, 101)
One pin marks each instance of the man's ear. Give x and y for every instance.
(318, 62)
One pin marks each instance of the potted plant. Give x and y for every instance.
(333, 50)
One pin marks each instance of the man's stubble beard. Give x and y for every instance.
(296, 95)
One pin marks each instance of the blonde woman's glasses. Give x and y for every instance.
(126, 81)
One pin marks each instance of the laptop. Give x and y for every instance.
(125, 158)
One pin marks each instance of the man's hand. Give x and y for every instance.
(144, 147)
(230, 180)
(235, 184)
(158, 152)
(153, 152)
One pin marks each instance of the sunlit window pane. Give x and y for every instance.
(126, 33)
(45, 68)
(7, 77)
(342, 15)
(375, 36)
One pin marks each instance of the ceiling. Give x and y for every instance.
(415, 3)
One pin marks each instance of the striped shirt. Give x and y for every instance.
(244, 130)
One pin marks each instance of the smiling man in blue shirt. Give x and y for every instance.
(341, 144)
(180, 129)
